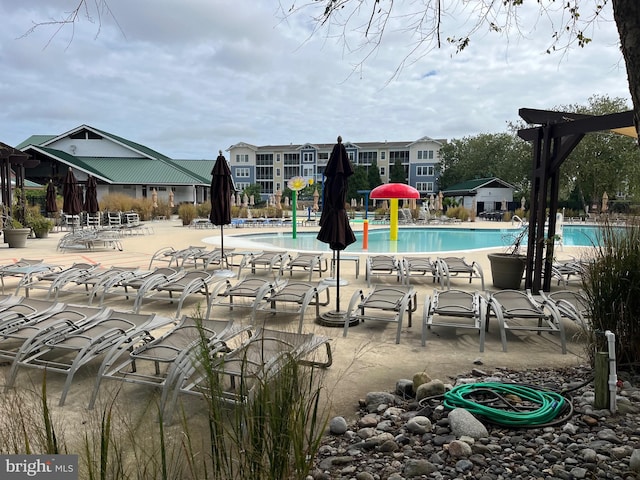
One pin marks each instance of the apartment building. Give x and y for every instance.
(271, 166)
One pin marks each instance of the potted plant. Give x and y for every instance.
(41, 226)
(507, 268)
(15, 234)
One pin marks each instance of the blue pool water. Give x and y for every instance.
(418, 240)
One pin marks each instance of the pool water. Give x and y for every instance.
(414, 240)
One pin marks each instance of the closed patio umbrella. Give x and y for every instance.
(334, 223)
(91, 196)
(222, 189)
(51, 206)
(72, 205)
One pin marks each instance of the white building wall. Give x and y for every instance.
(93, 148)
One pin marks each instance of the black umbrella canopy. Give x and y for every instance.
(334, 223)
(221, 190)
(91, 196)
(72, 204)
(50, 199)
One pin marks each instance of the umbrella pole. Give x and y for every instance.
(221, 245)
(337, 252)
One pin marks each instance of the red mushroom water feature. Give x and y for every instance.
(393, 192)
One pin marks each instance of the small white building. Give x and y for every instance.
(487, 194)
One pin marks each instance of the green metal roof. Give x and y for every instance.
(202, 168)
(35, 140)
(471, 185)
(142, 171)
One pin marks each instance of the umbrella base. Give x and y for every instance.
(335, 318)
(333, 282)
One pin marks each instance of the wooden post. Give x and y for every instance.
(601, 381)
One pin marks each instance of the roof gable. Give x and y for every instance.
(477, 183)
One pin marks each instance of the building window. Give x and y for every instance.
(382, 171)
(425, 154)
(426, 187)
(307, 157)
(383, 155)
(424, 171)
(277, 172)
(242, 172)
(264, 159)
(240, 186)
(277, 157)
(242, 158)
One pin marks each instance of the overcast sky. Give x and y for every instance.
(191, 77)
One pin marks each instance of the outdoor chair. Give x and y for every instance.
(421, 267)
(152, 361)
(459, 267)
(24, 269)
(384, 265)
(23, 336)
(307, 263)
(52, 280)
(390, 303)
(270, 262)
(245, 293)
(171, 256)
(455, 308)
(292, 297)
(128, 283)
(518, 310)
(566, 270)
(255, 362)
(571, 304)
(16, 310)
(177, 288)
(91, 281)
(68, 352)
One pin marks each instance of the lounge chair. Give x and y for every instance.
(455, 308)
(52, 280)
(571, 304)
(23, 335)
(421, 267)
(384, 265)
(153, 361)
(179, 287)
(566, 270)
(389, 302)
(245, 293)
(127, 284)
(22, 310)
(67, 353)
(459, 267)
(93, 280)
(307, 263)
(257, 361)
(271, 262)
(292, 297)
(518, 310)
(173, 257)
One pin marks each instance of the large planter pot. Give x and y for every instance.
(507, 270)
(16, 237)
(41, 233)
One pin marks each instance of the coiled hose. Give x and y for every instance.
(511, 404)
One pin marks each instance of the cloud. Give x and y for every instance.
(190, 78)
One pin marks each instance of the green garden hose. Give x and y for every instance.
(509, 404)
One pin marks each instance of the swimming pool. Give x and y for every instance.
(410, 240)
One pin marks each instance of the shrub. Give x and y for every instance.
(187, 212)
(203, 209)
(612, 285)
(458, 212)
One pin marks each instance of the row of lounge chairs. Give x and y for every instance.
(62, 338)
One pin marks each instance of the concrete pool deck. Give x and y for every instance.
(366, 360)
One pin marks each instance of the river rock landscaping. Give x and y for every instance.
(411, 434)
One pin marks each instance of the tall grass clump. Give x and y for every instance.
(612, 285)
(271, 426)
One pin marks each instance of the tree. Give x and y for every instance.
(602, 161)
(397, 173)
(429, 27)
(373, 175)
(501, 155)
(357, 181)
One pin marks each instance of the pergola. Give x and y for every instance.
(553, 140)
(13, 159)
